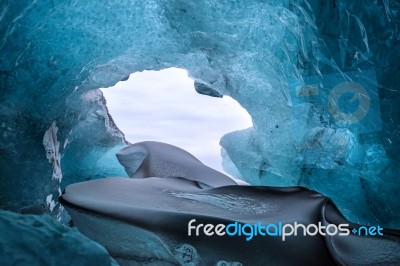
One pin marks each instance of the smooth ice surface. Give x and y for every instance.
(40, 239)
(157, 159)
(154, 229)
(319, 78)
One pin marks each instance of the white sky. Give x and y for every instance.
(164, 106)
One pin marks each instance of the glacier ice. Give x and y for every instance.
(273, 57)
(43, 240)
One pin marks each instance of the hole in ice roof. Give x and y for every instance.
(164, 106)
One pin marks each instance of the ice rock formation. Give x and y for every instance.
(145, 221)
(319, 79)
(151, 158)
(27, 239)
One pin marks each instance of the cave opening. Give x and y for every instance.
(164, 106)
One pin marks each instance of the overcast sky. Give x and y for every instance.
(163, 106)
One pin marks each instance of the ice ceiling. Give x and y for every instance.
(319, 78)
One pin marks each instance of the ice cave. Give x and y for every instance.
(318, 78)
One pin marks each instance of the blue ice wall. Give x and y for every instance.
(318, 78)
(41, 239)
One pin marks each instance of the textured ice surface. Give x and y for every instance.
(41, 239)
(284, 61)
